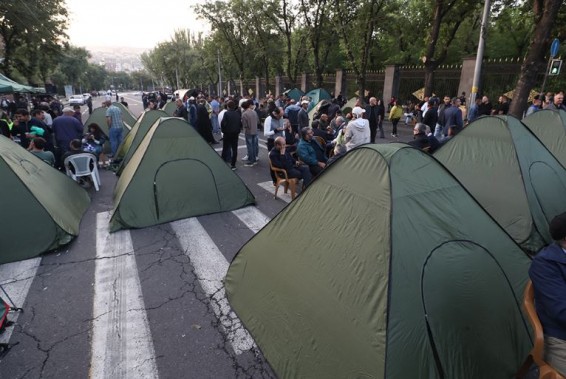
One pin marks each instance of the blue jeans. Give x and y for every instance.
(252, 145)
(115, 139)
(214, 122)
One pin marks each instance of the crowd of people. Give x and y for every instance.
(53, 132)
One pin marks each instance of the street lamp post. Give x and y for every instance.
(479, 55)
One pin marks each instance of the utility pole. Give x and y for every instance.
(479, 55)
(219, 76)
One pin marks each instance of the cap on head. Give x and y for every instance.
(358, 111)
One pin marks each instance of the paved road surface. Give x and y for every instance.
(142, 303)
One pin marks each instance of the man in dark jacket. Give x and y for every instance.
(281, 158)
(375, 118)
(231, 126)
(303, 116)
(548, 274)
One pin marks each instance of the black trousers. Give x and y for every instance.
(230, 148)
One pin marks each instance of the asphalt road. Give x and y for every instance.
(141, 303)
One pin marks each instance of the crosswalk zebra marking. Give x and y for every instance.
(268, 186)
(252, 217)
(210, 268)
(21, 275)
(121, 343)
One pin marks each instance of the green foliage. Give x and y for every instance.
(30, 35)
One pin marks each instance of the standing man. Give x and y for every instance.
(181, 110)
(548, 274)
(358, 131)
(535, 106)
(215, 105)
(231, 126)
(303, 116)
(115, 125)
(66, 128)
(557, 102)
(374, 117)
(249, 123)
(453, 117)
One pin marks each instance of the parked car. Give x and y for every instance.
(76, 99)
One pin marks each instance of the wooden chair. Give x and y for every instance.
(282, 178)
(536, 355)
(321, 141)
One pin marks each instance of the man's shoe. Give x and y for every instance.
(249, 164)
(233, 168)
(245, 158)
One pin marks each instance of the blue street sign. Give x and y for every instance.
(554, 48)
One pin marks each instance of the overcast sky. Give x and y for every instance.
(129, 23)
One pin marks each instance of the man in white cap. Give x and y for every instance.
(303, 115)
(66, 128)
(358, 131)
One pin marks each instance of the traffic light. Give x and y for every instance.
(555, 67)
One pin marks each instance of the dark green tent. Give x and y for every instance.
(294, 93)
(174, 174)
(41, 207)
(550, 128)
(317, 95)
(98, 116)
(170, 108)
(402, 275)
(511, 174)
(127, 115)
(133, 139)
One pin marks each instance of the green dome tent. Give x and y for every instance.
(127, 115)
(294, 93)
(550, 128)
(41, 209)
(511, 174)
(391, 281)
(174, 174)
(133, 139)
(347, 108)
(170, 108)
(316, 96)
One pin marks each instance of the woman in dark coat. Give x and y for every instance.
(203, 125)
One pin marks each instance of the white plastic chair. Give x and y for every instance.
(82, 164)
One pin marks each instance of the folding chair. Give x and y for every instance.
(536, 355)
(83, 164)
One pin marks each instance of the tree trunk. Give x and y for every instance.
(535, 59)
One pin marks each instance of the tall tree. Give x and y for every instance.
(24, 31)
(545, 13)
(445, 20)
(357, 24)
(317, 16)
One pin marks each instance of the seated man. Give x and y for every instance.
(37, 148)
(548, 274)
(421, 140)
(281, 158)
(310, 152)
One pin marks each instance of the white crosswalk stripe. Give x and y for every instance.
(268, 186)
(16, 278)
(210, 268)
(121, 343)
